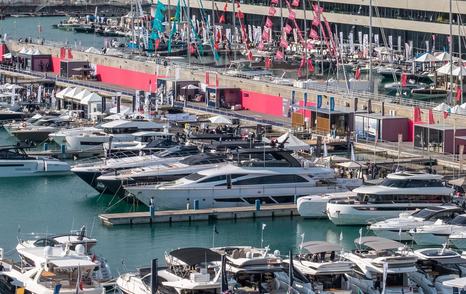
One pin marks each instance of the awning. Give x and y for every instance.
(378, 243)
(292, 142)
(220, 119)
(195, 255)
(457, 182)
(459, 283)
(62, 93)
(314, 247)
(426, 57)
(91, 98)
(80, 96)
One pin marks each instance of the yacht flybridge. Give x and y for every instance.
(230, 185)
(114, 131)
(54, 267)
(399, 192)
(322, 264)
(14, 162)
(372, 255)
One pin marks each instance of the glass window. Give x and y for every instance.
(276, 179)
(214, 179)
(195, 177)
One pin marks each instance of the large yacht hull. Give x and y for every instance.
(222, 197)
(84, 143)
(30, 168)
(364, 214)
(32, 136)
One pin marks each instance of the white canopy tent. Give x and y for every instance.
(80, 96)
(426, 57)
(91, 98)
(93, 50)
(442, 56)
(293, 142)
(62, 93)
(220, 119)
(442, 107)
(72, 93)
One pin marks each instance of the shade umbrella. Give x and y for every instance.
(459, 71)
(426, 57)
(446, 69)
(442, 107)
(442, 56)
(220, 119)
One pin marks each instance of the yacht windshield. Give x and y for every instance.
(424, 213)
(397, 183)
(459, 220)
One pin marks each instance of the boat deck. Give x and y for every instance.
(171, 216)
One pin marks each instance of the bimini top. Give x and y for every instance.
(459, 283)
(314, 247)
(195, 255)
(378, 243)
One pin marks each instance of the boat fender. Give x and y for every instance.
(276, 253)
(45, 165)
(80, 250)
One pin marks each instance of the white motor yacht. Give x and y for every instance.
(9, 127)
(140, 142)
(398, 228)
(372, 255)
(39, 131)
(56, 270)
(114, 131)
(436, 265)
(72, 240)
(322, 264)
(399, 192)
(439, 232)
(89, 172)
(14, 162)
(255, 270)
(315, 206)
(189, 270)
(230, 185)
(458, 239)
(59, 136)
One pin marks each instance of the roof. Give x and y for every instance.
(56, 256)
(414, 175)
(195, 255)
(440, 127)
(378, 243)
(320, 246)
(327, 110)
(233, 169)
(121, 123)
(379, 116)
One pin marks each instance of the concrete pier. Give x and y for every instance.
(172, 216)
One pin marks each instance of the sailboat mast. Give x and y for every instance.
(370, 46)
(320, 43)
(305, 37)
(188, 36)
(233, 33)
(450, 46)
(460, 56)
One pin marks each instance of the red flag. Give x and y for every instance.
(417, 114)
(291, 15)
(70, 55)
(225, 7)
(445, 114)
(240, 15)
(279, 55)
(274, 2)
(283, 43)
(62, 53)
(157, 43)
(268, 22)
(317, 9)
(272, 11)
(268, 62)
(404, 79)
(431, 117)
(192, 50)
(260, 46)
(313, 35)
(250, 55)
(216, 46)
(310, 66)
(433, 37)
(316, 21)
(299, 73)
(357, 74)
(222, 18)
(287, 29)
(295, 3)
(309, 46)
(93, 257)
(265, 35)
(303, 61)
(458, 93)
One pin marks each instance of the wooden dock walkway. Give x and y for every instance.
(171, 216)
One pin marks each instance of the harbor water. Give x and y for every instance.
(59, 204)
